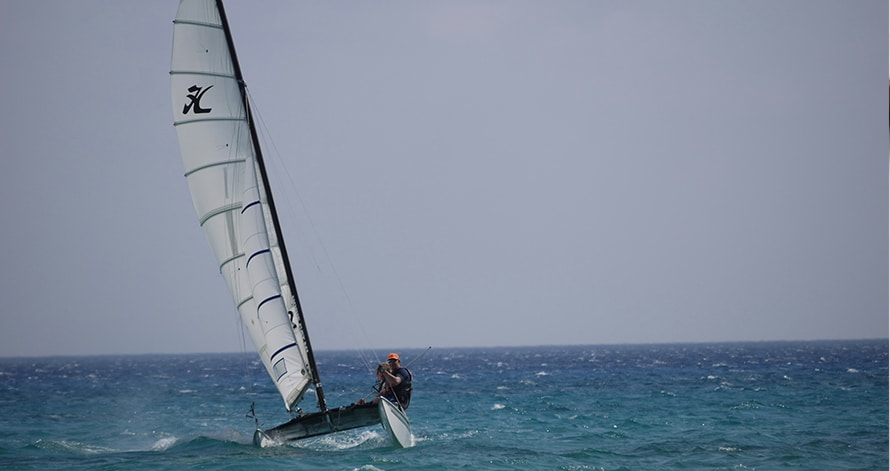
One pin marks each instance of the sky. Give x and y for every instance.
(464, 173)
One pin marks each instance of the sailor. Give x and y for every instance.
(396, 381)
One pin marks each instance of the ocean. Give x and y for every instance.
(799, 405)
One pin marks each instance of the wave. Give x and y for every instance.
(161, 445)
(71, 447)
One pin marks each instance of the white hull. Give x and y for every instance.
(396, 423)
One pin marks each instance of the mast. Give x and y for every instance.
(242, 86)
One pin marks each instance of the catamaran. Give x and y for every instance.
(230, 190)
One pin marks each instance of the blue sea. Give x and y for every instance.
(799, 405)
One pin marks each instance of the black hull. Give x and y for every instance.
(321, 423)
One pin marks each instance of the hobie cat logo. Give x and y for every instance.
(195, 97)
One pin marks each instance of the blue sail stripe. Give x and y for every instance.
(255, 254)
(266, 300)
(247, 206)
(282, 349)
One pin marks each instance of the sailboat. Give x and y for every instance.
(230, 191)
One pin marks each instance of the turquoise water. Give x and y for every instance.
(803, 405)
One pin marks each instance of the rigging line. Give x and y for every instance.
(245, 359)
(263, 128)
(234, 199)
(418, 357)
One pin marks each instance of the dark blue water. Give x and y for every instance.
(804, 405)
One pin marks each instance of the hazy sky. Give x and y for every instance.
(464, 173)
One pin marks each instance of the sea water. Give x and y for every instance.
(803, 405)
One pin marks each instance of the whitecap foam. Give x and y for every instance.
(498, 406)
(340, 441)
(68, 446)
(164, 444)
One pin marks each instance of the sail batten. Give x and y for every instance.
(219, 211)
(222, 159)
(214, 164)
(200, 120)
(199, 72)
(197, 23)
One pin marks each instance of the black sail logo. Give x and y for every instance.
(195, 97)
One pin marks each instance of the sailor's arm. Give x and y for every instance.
(391, 380)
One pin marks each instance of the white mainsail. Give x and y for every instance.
(221, 169)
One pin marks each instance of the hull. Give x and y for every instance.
(395, 422)
(320, 423)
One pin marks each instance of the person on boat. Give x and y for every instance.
(396, 381)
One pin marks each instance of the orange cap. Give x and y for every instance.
(393, 356)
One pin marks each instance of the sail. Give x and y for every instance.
(220, 160)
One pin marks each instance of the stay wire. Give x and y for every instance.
(367, 358)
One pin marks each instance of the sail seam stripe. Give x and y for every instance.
(271, 298)
(215, 164)
(220, 210)
(197, 23)
(282, 349)
(189, 121)
(255, 254)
